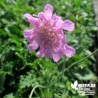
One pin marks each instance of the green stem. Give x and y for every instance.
(30, 96)
(80, 60)
(63, 66)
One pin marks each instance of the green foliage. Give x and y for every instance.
(21, 71)
(2, 79)
(9, 96)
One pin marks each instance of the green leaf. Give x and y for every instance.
(2, 80)
(9, 96)
(85, 74)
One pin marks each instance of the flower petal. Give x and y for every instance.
(42, 16)
(31, 19)
(40, 53)
(48, 53)
(56, 57)
(68, 25)
(33, 46)
(28, 34)
(69, 51)
(48, 10)
(61, 35)
(57, 21)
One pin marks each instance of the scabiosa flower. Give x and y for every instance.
(47, 34)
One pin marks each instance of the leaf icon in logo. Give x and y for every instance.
(74, 86)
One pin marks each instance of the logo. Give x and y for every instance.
(84, 89)
(75, 85)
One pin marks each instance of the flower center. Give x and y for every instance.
(48, 37)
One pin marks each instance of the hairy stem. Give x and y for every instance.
(80, 60)
(30, 96)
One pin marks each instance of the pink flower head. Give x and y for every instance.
(47, 34)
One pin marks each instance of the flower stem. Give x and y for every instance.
(30, 96)
(80, 60)
(63, 66)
